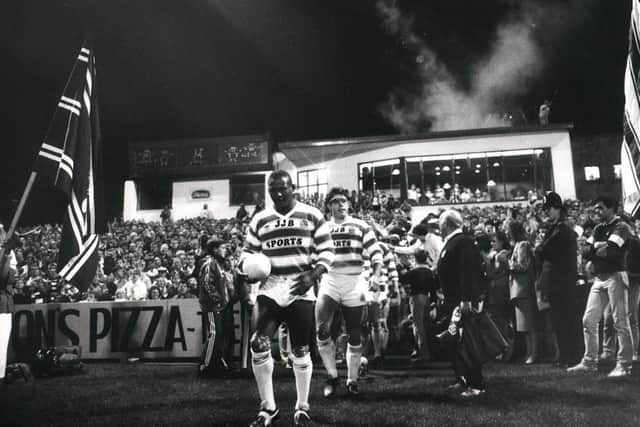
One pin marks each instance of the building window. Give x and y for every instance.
(312, 184)
(474, 177)
(518, 176)
(380, 177)
(617, 171)
(154, 193)
(591, 173)
(438, 174)
(470, 177)
(247, 189)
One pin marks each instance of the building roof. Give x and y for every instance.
(304, 153)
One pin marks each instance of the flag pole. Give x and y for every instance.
(4, 264)
(23, 201)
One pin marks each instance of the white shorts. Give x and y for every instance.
(278, 288)
(345, 289)
(377, 296)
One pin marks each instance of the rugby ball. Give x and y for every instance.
(256, 266)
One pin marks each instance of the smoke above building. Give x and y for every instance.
(441, 101)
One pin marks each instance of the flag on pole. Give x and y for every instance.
(69, 158)
(630, 151)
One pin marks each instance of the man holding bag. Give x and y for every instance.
(460, 274)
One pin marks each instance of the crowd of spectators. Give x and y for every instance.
(137, 261)
(510, 238)
(158, 260)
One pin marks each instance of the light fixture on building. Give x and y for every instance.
(478, 165)
(592, 173)
(446, 168)
(278, 156)
(457, 166)
(496, 165)
(395, 172)
(457, 172)
(491, 183)
(437, 168)
(477, 171)
(617, 171)
(438, 173)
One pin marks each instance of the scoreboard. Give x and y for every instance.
(200, 156)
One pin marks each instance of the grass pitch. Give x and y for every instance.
(146, 394)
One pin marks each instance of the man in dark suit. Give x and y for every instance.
(460, 274)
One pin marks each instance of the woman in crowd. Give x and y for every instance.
(497, 299)
(521, 287)
(154, 293)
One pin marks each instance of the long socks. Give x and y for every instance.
(303, 369)
(262, 364)
(354, 357)
(327, 350)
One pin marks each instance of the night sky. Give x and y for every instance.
(298, 69)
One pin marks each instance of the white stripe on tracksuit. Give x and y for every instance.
(211, 338)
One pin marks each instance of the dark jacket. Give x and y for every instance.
(614, 260)
(421, 280)
(558, 254)
(216, 287)
(460, 270)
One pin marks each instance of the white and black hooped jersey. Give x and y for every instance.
(351, 239)
(294, 242)
(388, 272)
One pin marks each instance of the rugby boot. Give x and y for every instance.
(330, 388)
(265, 418)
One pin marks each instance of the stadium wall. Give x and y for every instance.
(183, 204)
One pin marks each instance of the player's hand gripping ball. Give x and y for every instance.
(256, 267)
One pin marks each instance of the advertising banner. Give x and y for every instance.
(115, 330)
